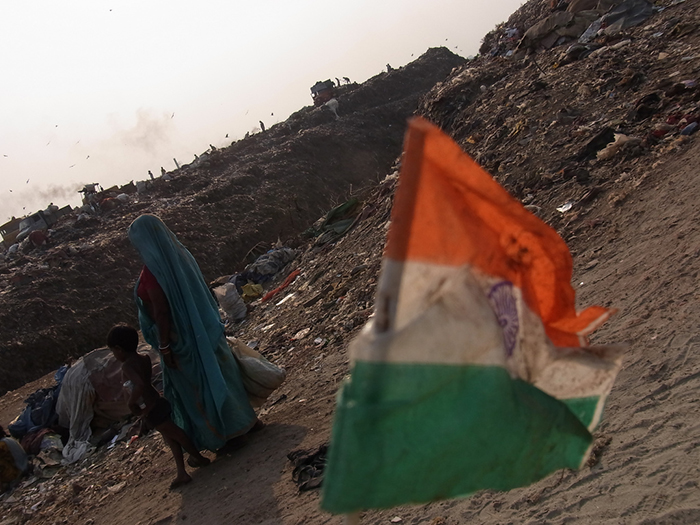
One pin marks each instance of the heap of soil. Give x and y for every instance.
(59, 302)
(632, 224)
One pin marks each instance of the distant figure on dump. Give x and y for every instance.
(262, 126)
(146, 402)
(162, 171)
(151, 175)
(332, 104)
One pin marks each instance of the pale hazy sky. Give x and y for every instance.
(104, 90)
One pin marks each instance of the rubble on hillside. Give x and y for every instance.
(559, 133)
(543, 125)
(550, 127)
(314, 318)
(58, 301)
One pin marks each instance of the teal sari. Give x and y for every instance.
(206, 391)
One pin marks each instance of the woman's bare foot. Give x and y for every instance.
(197, 462)
(180, 481)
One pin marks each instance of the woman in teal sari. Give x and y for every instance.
(179, 316)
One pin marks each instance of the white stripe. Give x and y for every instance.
(435, 314)
(439, 315)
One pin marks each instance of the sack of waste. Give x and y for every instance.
(260, 376)
(230, 301)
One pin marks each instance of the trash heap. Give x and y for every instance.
(584, 119)
(561, 127)
(262, 188)
(309, 319)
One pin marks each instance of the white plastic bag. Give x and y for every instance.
(260, 376)
(231, 303)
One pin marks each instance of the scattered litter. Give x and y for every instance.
(591, 264)
(290, 296)
(301, 334)
(336, 223)
(230, 301)
(289, 280)
(565, 207)
(116, 488)
(251, 291)
(621, 141)
(690, 129)
(308, 467)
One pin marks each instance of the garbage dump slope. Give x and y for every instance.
(631, 223)
(640, 256)
(60, 302)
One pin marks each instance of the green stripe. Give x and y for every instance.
(584, 408)
(413, 433)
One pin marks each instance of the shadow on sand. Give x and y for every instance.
(238, 486)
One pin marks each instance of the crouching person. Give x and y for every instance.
(13, 461)
(146, 402)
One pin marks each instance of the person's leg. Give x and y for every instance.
(259, 425)
(175, 433)
(182, 475)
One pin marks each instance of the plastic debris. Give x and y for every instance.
(565, 207)
(301, 334)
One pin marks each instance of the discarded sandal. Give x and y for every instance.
(308, 467)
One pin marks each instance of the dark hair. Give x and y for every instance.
(123, 336)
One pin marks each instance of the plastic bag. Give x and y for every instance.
(260, 376)
(231, 303)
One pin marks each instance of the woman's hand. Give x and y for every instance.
(160, 313)
(168, 357)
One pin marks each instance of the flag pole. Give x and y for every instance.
(352, 519)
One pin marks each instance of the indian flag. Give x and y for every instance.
(474, 372)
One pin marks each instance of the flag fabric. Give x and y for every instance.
(474, 372)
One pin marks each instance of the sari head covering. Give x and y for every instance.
(206, 391)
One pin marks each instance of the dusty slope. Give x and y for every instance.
(633, 229)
